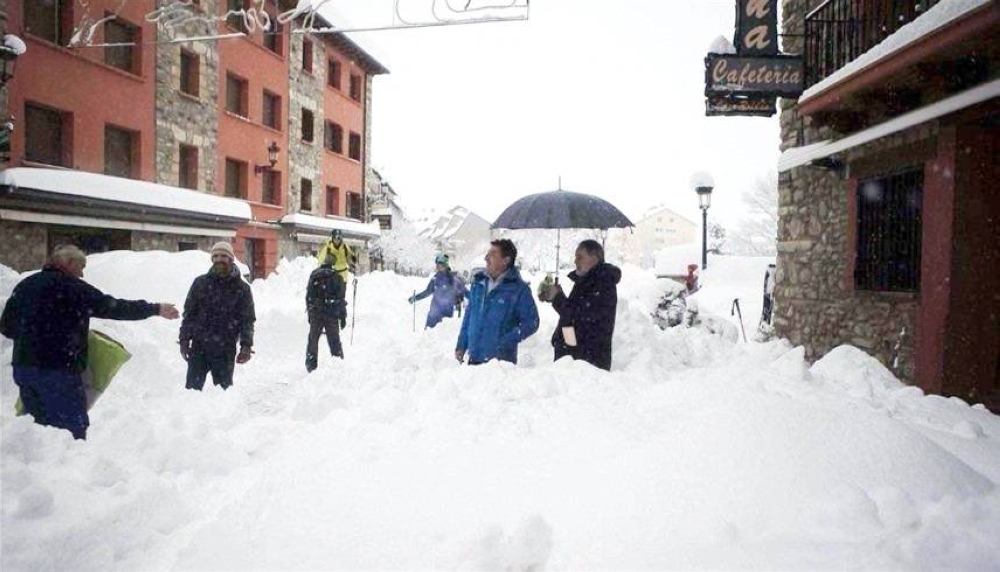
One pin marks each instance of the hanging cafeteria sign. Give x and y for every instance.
(747, 82)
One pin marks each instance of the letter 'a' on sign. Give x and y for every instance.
(756, 27)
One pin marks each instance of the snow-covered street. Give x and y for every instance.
(696, 451)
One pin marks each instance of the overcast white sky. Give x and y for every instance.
(607, 94)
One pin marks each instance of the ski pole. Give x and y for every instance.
(354, 306)
(736, 310)
(414, 304)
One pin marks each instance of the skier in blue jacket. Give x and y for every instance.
(446, 288)
(501, 312)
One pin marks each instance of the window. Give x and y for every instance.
(333, 74)
(46, 136)
(185, 246)
(272, 110)
(119, 152)
(332, 200)
(272, 37)
(354, 149)
(306, 195)
(123, 57)
(190, 73)
(236, 95)
(236, 178)
(51, 20)
(307, 125)
(354, 205)
(333, 137)
(889, 232)
(307, 55)
(235, 16)
(187, 167)
(271, 187)
(355, 87)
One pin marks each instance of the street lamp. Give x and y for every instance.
(12, 48)
(703, 185)
(272, 158)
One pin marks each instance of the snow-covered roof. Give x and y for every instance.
(450, 223)
(105, 187)
(798, 156)
(939, 16)
(349, 226)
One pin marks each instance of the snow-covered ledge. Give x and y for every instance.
(798, 156)
(326, 224)
(941, 15)
(84, 185)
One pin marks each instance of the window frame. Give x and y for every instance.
(132, 53)
(333, 137)
(308, 127)
(65, 135)
(334, 74)
(354, 146)
(187, 167)
(357, 90)
(190, 73)
(241, 181)
(269, 96)
(308, 55)
(244, 97)
(305, 205)
(272, 195)
(332, 206)
(888, 236)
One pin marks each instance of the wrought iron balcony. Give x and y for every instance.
(838, 31)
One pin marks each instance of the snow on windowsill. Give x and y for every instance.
(934, 19)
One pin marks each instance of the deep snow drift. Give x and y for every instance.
(694, 452)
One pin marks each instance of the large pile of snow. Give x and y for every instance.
(694, 452)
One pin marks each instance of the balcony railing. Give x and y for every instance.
(839, 31)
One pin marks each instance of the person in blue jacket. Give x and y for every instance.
(446, 287)
(501, 311)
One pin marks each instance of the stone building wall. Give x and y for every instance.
(815, 303)
(31, 242)
(305, 90)
(181, 118)
(142, 240)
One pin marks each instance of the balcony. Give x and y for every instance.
(838, 31)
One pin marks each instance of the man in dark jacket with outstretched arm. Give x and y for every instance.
(501, 312)
(587, 315)
(327, 311)
(218, 312)
(48, 317)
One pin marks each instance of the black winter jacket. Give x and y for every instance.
(325, 294)
(590, 308)
(218, 311)
(48, 317)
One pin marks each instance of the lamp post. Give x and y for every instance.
(272, 158)
(10, 49)
(703, 185)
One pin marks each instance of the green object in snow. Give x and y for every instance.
(105, 356)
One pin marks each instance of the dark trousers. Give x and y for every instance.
(219, 361)
(318, 324)
(54, 397)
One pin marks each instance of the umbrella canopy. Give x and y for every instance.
(561, 209)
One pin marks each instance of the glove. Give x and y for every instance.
(410, 299)
(343, 323)
(244, 355)
(185, 349)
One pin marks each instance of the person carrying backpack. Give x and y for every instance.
(327, 311)
(448, 290)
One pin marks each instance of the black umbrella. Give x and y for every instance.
(561, 209)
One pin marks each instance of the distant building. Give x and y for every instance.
(383, 202)
(662, 227)
(458, 230)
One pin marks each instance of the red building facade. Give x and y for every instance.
(208, 116)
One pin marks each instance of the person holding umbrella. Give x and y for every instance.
(587, 315)
(501, 312)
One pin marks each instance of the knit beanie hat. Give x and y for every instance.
(441, 259)
(224, 248)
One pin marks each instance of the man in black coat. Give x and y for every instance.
(327, 311)
(587, 315)
(218, 312)
(48, 317)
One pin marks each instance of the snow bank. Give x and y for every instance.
(694, 452)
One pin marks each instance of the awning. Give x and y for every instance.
(104, 196)
(350, 227)
(799, 156)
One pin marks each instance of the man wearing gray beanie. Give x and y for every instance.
(218, 312)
